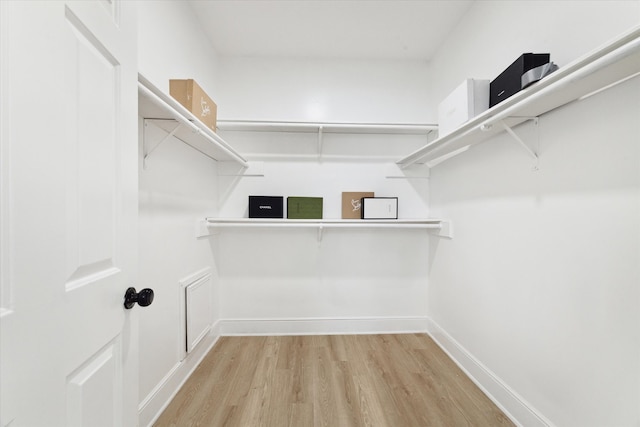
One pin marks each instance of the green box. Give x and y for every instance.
(304, 207)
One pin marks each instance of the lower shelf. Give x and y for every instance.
(439, 227)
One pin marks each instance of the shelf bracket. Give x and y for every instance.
(202, 229)
(523, 144)
(147, 153)
(444, 230)
(320, 129)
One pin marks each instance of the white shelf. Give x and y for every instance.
(307, 127)
(613, 63)
(165, 112)
(321, 130)
(349, 223)
(440, 227)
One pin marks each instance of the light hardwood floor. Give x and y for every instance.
(339, 380)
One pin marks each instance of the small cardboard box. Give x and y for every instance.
(379, 208)
(352, 203)
(464, 103)
(193, 98)
(304, 207)
(266, 207)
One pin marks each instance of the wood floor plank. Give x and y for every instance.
(342, 380)
(301, 414)
(371, 407)
(323, 396)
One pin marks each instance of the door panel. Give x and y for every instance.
(69, 88)
(92, 86)
(93, 394)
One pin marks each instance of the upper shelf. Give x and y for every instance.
(304, 127)
(165, 111)
(377, 149)
(611, 64)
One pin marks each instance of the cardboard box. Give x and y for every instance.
(352, 203)
(193, 98)
(509, 82)
(464, 103)
(266, 207)
(379, 208)
(304, 207)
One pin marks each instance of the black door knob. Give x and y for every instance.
(143, 298)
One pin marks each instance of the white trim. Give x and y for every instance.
(323, 326)
(152, 406)
(510, 402)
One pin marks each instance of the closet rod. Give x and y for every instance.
(362, 224)
(272, 126)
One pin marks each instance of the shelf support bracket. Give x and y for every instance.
(320, 231)
(167, 136)
(320, 129)
(523, 144)
(444, 230)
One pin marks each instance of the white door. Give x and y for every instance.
(69, 213)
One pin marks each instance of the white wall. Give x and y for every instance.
(283, 281)
(539, 287)
(172, 46)
(177, 187)
(324, 90)
(286, 281)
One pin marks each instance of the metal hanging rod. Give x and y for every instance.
(313, 127)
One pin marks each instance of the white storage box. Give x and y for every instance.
(464, 103)
(379, 208)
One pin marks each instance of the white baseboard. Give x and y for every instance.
(323, 326)
(159, 398)
(512, 404)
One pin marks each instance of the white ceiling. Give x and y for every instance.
(356, 29)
